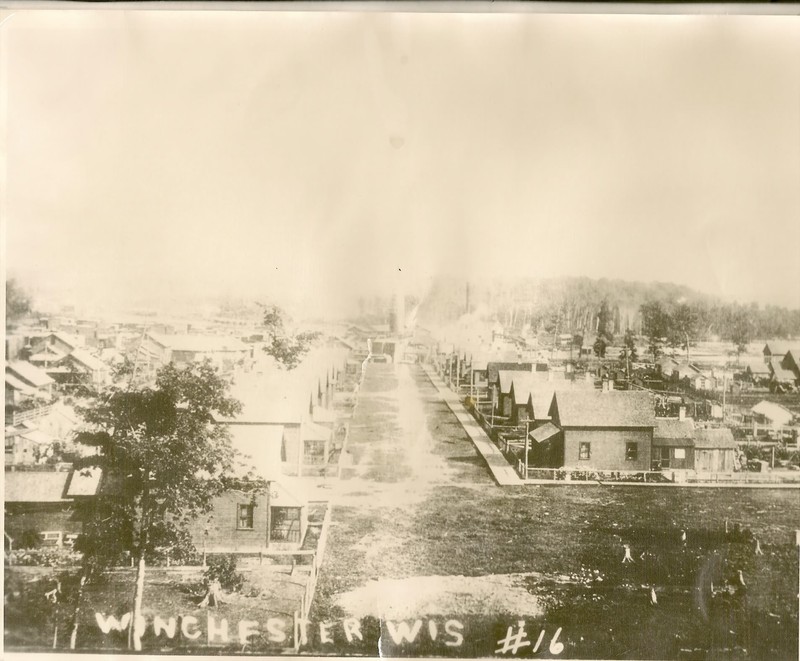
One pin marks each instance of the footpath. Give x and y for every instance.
(502, 472)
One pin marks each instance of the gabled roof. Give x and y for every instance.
(756, 366)
(594, 408)
(199, 343)
(310, 431)
(794, 357)
(493, 368)
(16, 384)
(88, 360)
(322, 415)
(71, 341)
(28, 373)
(685, 369)
(780, 373)
(527, 383)
(714, 439)
(506, 378)
(36, 486)
(84, 482)
(672, 432)
(773, 411)
(780, 348)
(543, 390)
(48, 354)
(258, 448)
(545, 432)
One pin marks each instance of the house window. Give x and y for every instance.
(680, 453)
(285, 524)
(314, 452)
(631, 451)
(584, 451)
(245, 519)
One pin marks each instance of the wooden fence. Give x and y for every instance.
(307, 599)
(576, 475)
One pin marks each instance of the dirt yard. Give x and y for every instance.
(420, 531)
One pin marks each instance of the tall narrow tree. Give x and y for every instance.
(159, 446)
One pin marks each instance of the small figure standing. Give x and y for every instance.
(683, 536)
(653, 597)
(758, 547)
(627, 557)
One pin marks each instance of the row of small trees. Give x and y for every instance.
(675, 325)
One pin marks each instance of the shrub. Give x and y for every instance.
(29, 539)
(223, 569)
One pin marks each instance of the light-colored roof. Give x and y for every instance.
(85, 482)
(35, 486)
(87, 359)
(780, 373)
(494, 369)
(544, 432)
(673, 432)
(72, 341)
(15, 383)
(48, 354)
(685, 369)
(781, 348)
(756, 366)
(283, 495)
(508, 376)
(615, 408)
(310, 431)
(37, 436)
(199, 343)
(714, 439)
(321, 414)
(773, 411)
(524, 383)
(542, 391)
(29, 373)
(258, 448)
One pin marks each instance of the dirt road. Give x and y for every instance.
(420, 530)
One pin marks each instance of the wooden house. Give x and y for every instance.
(673, 444)
(49, 504)
(224, 352)
(266, 512)
(604, 430)
(714, 450)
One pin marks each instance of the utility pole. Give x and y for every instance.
(724, 392)
(527, 442)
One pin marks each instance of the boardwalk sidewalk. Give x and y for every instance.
(503, 473)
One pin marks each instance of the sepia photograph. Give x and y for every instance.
(453, 330)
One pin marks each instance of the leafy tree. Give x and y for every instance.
(167, 459)
(740, 331)
(604, 329)
(18, 301)
(682, 327)
(599, 347)
(289, 350)
(629, 350)
(655, 325)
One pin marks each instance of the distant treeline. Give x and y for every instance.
(573, 305)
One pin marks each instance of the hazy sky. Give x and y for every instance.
(310, 156)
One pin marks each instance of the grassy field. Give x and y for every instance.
(562, 544)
